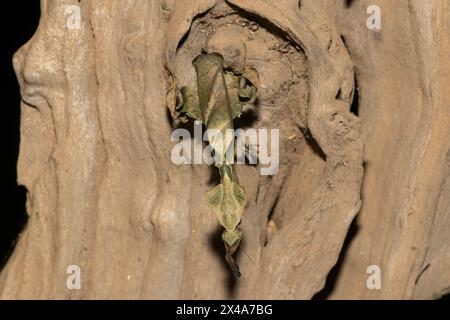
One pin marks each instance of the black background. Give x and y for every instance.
(280, 309)
(19, 20)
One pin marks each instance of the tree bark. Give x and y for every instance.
(99, 107)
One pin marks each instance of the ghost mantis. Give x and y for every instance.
(217, 99)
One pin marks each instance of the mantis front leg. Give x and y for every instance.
(218, 99)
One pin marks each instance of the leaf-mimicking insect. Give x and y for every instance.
(217, 99)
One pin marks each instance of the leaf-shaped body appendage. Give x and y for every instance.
(216, 100)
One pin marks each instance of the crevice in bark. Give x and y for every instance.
(334, 272)
(354, 108)
(266, 24)
(271, 224)
(348, 3)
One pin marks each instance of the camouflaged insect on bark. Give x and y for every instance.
(217, 99)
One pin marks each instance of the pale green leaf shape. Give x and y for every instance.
(217, 99)
(227, 200)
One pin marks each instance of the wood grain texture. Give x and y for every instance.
(103, 193)
(402, 73)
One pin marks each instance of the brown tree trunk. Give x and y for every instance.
(103, 194)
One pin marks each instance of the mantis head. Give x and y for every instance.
(231, 239)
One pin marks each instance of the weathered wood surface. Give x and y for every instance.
(104, 195)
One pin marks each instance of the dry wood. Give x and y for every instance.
(97, 115)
